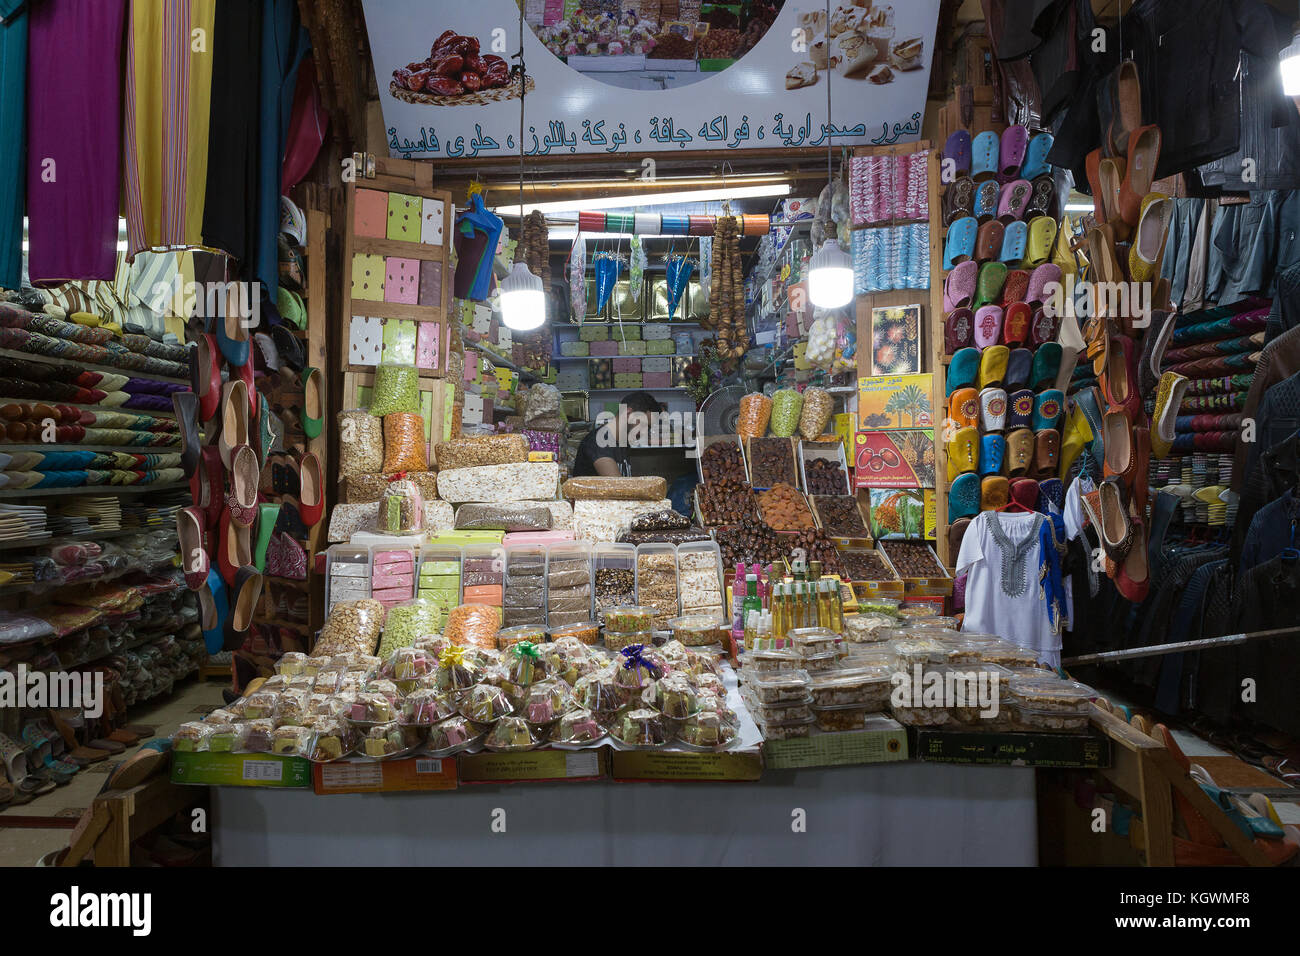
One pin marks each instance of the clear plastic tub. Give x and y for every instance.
(656, 580)
(1031, 718)
(699, 577)
(1048, 693)
(695, 630)
(1008, 655)
(865, 685)
(613, 577)
(778, 688)
(820, 662)
(866, 628)
(585, 632)
(791, 731)
(839, 717)
(616, 641)
(629, 619)
(809, 641)
(783, 713)
(347, 574)
(771, 662)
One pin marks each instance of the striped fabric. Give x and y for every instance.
(168, 88)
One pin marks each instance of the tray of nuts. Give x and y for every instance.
(771, 462)
(918, 566)
(727, 502)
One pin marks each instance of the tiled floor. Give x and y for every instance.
(24, 846)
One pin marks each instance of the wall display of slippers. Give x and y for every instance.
(292, 488)
(893, 193)
(1003, 370)
(396, 246)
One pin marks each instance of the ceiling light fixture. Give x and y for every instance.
(830, 271)
(523, 299)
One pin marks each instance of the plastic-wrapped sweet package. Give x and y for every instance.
(605, 520)
(406, 623)
(534, 480)
(568, 571)
(818, 407)
(351, 626)
(665, 537)
(396, 389)
(542, 407)
(401, 511)
(503, 517)
(473, 624)
(361, 442)
(755, 411)
(787, 404)
(660, 521)
(485, 450)
(404, 445)
(438, 516)
(600, 488)
(517, 596)
(361, 489)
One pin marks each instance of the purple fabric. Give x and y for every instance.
(74, 138)
(154, 402)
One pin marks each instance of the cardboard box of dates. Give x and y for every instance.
(884, 580)
(919, 567)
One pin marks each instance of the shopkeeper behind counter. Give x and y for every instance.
(604, 450)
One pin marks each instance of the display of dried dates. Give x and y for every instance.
(771, 462)
(866, 566)
(825, 477)
(840, 516)
(725, 502)
(722, 461)
(753, 541)
(453, 67)
(913, 560)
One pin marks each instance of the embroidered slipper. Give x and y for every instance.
(959, 200)
(1014, 201)
(1015, 242)
(1020, 402)
(1042, 198)
(1020, 451)
(1047, 363)
(964, 496)
(987, 195)
(1015, 287)
(1043, 327)
(1047, 450)
(1015, 324)
(962, 369)
(995, 491)
(1035, 163)
(959, 287)
(960, 245)
(963, 407)
(985, 154)
(963, 451)
(988, 326)
(1048, 407)
(993, 409)
(958, 330)
(14, 758)
(1043, 276)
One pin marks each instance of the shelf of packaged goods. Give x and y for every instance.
(90, 367)
(595, 358)
(614, 323)
(11, 494)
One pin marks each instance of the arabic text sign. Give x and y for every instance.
(645, 108)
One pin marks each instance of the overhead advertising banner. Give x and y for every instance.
(641, 76)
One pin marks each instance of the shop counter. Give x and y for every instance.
(893, 814)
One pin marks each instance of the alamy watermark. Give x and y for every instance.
(1131, 299)
(976, 690)
(239, 299)
(79, 690)
(633, 429)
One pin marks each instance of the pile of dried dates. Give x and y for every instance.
(454, 67)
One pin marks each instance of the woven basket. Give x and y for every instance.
(479, 98)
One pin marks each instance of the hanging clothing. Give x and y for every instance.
(1280, 360)
(1268, 597)
(477, 232)
(1001, 555)
(74, 136)
(231, 199)
(169, 54)
(1272, 530)
(13, 134)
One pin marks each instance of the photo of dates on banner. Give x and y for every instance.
(639, 76)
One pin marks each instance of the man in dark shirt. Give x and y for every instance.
(604, 451)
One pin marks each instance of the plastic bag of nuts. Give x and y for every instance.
(787, 404)
(351, 626)
(755, 411)
(404, 445)
(818, 406)
(361, 442)
(784, 509)
(397, 389)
